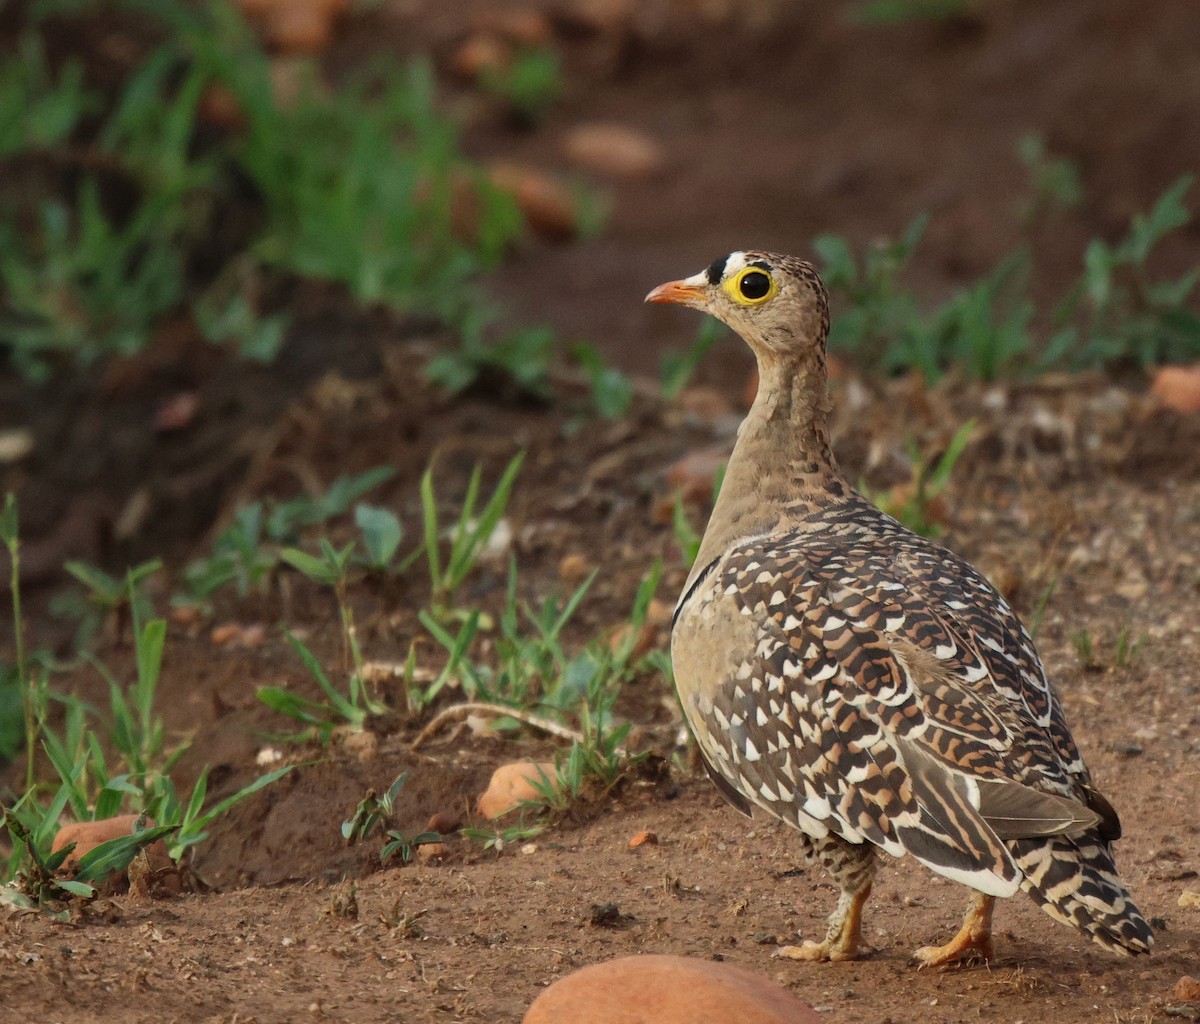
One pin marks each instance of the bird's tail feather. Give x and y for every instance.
(1074, 880)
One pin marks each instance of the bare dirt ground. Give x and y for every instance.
(806, 124)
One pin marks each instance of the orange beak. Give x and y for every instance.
(680, 292)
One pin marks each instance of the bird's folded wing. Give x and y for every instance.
(863, 712)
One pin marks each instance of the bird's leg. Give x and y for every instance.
(973, 941)
(853, 868)
(843, 941)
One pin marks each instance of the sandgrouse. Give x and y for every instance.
(862, 683)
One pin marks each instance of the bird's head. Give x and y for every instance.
(778, 304)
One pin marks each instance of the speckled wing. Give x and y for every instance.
(864, 682)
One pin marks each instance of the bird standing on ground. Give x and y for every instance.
(862, 683)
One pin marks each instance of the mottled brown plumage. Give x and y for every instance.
(862, 683)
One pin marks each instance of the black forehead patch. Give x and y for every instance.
(716, 269)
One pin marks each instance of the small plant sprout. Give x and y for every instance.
(330, 570)
(1117, 311)
(678, 368)
(321, 717)
(467, 537)
(1085, 648)
(111, 597)
(612, 391)
(913, 504)
(374, 813)
(248, 550)
(528, 85)
(382, 533)
(687, 537)
(1053, 181)
(877, 309)
(1127, 648)
(33, 691)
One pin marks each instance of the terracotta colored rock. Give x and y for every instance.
(644, 838)
(177, 412)
(1187, 988)
(444, 822)
(668, 990)
(525, 25)
(601, 16)
(546, 204)
(614, 149)
(574, 568)
(225, 633)
(294, 26)
(705, 403)
(481, 54)
(87, 835)
(431, 853)
(1178, 388)
(512, 785)
(643, 641)
(220, 108)
(693, 475)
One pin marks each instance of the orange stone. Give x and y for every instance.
(1178, 388)
(514, 784)
(668, 990)
(694, 475)
(616, 150)
(546, 204)
(1187, 988)
(87, 835)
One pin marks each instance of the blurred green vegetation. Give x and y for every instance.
(190, 183)
(1116, 312)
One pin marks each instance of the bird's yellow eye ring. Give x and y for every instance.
(751, 286)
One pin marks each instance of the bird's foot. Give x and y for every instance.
(954, 953)
(972, 944)
(825, 951)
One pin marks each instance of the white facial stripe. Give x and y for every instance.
(699, 280)
(737, 261)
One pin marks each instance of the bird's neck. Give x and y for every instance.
(782, 466)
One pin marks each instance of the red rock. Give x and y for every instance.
(644, 838)
(184, 615)
(432, 852)
(601, 16)
(613, 149)
(225, 633)
(1187, 988)
(643, 643)
(546, 204)
(514, 784)
(254, 635)
(525, 25)
(1178, 388)
(87, 835)
(220, 108)
(444, 823)
(668, 990)
(693, 475)
(574, 568)
(705, 403)
(481, 54)
(177, 412)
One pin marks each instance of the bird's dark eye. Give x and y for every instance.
(754, 285)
